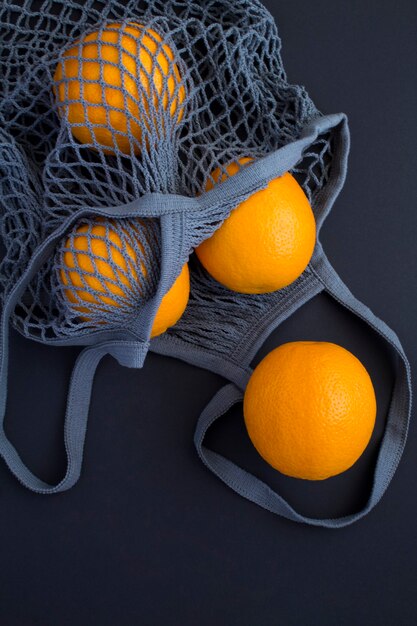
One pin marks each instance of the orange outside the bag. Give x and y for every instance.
(310, 409)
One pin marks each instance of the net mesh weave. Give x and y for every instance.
(149, 97)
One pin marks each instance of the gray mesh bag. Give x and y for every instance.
(95, 152)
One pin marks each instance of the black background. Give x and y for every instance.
(149, 536)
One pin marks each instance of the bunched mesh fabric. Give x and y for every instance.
(112, 101)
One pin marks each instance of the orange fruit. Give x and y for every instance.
(267, 241)
(173, 303)
(100, 266)
(108, 80)
(310, 409)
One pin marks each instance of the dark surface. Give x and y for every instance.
(149, 536)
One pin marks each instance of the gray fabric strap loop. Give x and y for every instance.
(400, 408)
(253, 489)
(131, 354)
(75, 424)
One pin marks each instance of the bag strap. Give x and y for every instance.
(130, 354)
(393, 441)
(75, 423)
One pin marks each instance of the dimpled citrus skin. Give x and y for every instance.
(173, 304)
(310, 409)
(117, 280)
(143, 81)
(267, 241)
